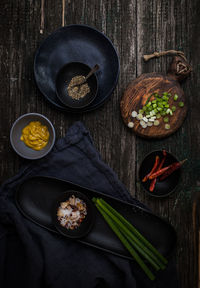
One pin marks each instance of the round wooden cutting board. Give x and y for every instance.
(144, 86)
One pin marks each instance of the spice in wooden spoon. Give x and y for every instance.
(78, 87)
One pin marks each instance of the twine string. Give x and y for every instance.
(162, 53)
(42, 17)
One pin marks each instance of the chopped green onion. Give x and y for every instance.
(130, 124)
(144, 108)
(134, 114)
(139, 116)
(181, 104)
(142, 123)
(175, 97)
(167, 126)
(158, 115)
(156, 123)
(148, 104)
(165, 98)
(173, 108)
(165, 93)
(166, 119)
(159, 105)
(148, 99)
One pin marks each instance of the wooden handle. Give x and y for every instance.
(94, 69)
(179, 68)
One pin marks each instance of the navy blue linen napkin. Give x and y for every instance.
(33, 257)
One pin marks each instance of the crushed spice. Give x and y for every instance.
(76, 90)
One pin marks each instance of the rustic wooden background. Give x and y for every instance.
(136, 27)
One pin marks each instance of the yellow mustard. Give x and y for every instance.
(35, 135)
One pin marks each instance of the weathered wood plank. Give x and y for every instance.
(136, 27)
(171, 27)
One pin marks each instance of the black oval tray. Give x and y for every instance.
(35, 198)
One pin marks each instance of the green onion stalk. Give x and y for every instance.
(126, 243)
(127, 227)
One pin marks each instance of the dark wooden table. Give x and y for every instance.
(136, 27)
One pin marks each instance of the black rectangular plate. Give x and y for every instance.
(35, 198)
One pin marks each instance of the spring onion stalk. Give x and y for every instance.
(126, 243)
(126, 231)
(131, 228)
(141, 251)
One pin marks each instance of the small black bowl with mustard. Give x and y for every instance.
(32, 136)
(77, 85)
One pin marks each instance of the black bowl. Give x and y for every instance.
(15, 133)
(87, 223)
(162, 188)
(76, 43)
(63, 78)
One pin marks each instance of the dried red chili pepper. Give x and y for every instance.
(157, 160)
(163, 159)
(159, 172)
(173, 168)
(153, 182)
(152, 185)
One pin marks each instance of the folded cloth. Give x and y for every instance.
(33, 257)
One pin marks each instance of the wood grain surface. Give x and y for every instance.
(136, 27)
(137, 94)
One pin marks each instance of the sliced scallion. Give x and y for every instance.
(181, 104)
(156, 123)
(167, 126)
(175, 97)
(173, 108)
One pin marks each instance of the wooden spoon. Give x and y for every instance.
(92, 71)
